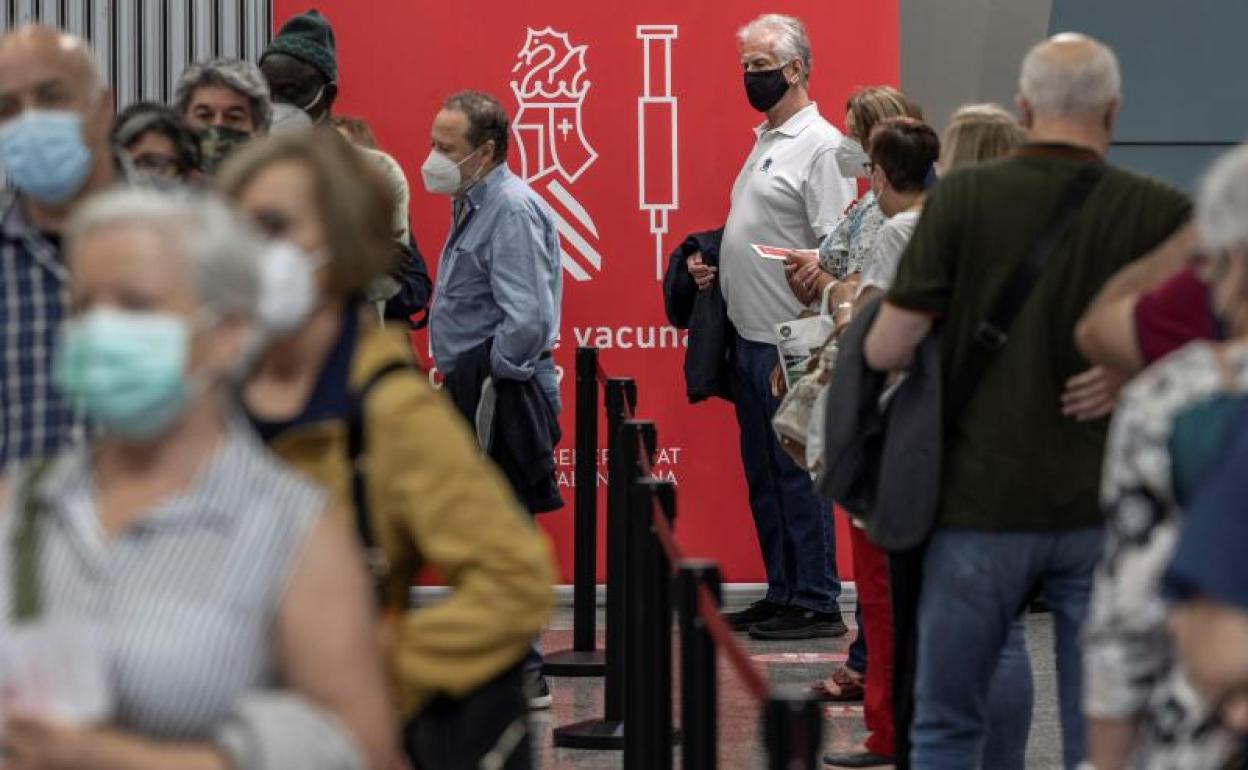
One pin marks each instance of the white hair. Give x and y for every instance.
(220, 251)
(1222, 205)
(791, 40)
(1055, 83)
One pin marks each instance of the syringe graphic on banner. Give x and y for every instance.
(657, 154)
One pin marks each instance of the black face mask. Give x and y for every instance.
(765, 88)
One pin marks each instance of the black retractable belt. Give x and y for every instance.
(357, 446)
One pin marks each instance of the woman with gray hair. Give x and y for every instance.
(205, 607)
(1172, 424)
(227, 102)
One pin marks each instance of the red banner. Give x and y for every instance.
(631, 121)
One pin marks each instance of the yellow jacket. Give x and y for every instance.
(435, 500)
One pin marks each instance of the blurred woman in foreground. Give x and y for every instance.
(203, 606)
(341, 400)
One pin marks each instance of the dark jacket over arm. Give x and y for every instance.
(885, 467)
(526, 428)
(705, 315)
(415, 288)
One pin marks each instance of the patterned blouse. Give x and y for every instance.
(1129, 661)
(845, 250)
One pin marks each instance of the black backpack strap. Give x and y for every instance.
(357, 445)
(992, 332)
(27, 599)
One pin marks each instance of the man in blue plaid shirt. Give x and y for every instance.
(55, 116)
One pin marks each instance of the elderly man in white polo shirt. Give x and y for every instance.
(789, 194)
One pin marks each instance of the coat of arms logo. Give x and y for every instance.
(550, 90)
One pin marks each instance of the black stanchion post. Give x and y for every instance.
(657, 631)
(584, 659)
(699, 694)
(608, 732)
(645, 745)
(793, 731)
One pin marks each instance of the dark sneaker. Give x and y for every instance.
(800, 623)
(536, 689)
(758, 612)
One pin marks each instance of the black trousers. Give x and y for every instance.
(459, 733)
(905, 575)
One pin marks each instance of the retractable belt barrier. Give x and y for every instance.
(645, 567)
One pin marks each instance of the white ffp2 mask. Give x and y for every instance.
(851, 159)
(443, 175)
(288, 290)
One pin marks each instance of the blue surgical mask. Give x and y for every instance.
(126, 370)
(44, 155)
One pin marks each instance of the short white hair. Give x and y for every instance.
(220, 251)
(1222, 205)
(791, 39)
(1064, 85)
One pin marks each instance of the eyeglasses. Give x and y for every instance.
(161, 165)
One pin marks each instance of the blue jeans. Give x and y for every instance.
(794, 525)
(1010, 699)
(548, 381)
(975, 584)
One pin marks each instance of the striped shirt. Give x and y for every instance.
(186, 599)
(35, 421)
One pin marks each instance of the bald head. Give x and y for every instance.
(1070, 76)
(44, 69)
(35, 43)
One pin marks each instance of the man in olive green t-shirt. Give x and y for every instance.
(1018, 504)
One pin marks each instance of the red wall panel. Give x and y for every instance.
(574, 75)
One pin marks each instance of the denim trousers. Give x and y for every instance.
(975, 585)
(794, 526)
(548, 381)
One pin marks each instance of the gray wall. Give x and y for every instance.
(1182, 71)
(142, 46)
(958, 51)
(1182, 62)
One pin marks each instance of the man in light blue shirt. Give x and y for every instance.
(499, 277)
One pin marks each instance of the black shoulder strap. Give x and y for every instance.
(27, 599)
(992, 332)
(357, 444)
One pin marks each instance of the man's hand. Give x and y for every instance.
(779, 388)
(805, 278)
(703, 274)
(1092, 395)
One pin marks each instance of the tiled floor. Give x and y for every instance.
(789, 663)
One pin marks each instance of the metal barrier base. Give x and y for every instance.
(575, 663)
(597, 734)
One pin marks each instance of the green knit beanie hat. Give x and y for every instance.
(308, 38)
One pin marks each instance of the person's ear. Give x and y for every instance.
(331, 95)
(230, 340)
(1111, 116)
(1026, 117)
(798, 67)
(100, 118)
